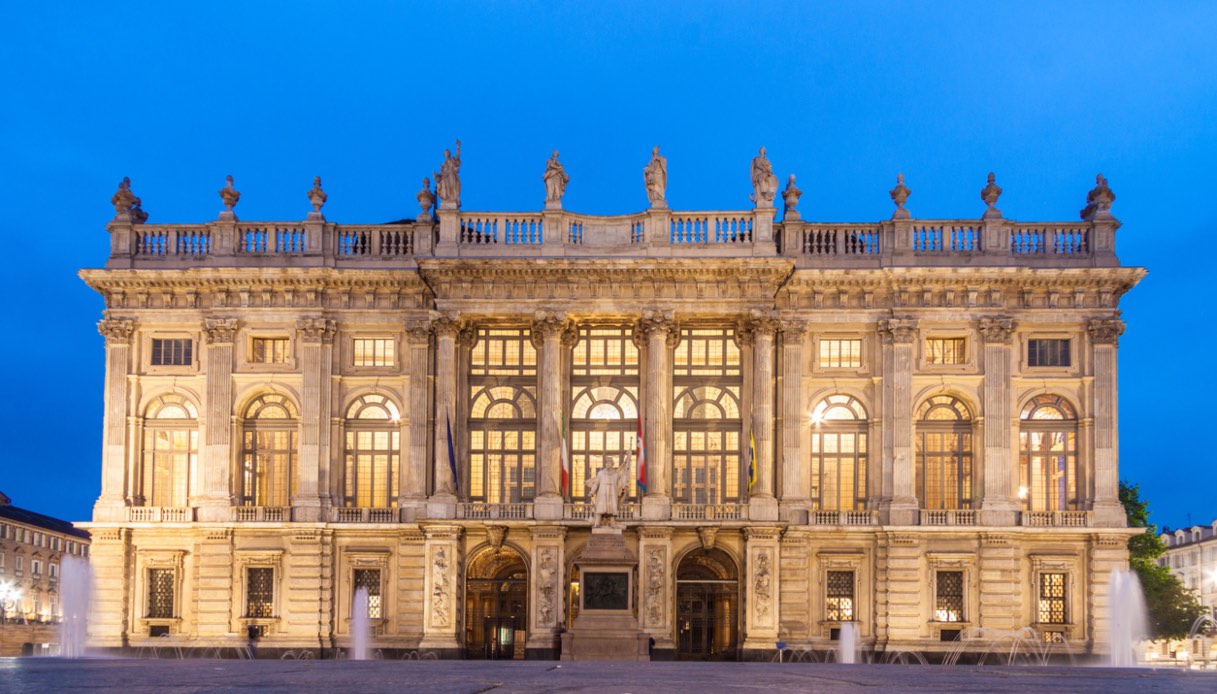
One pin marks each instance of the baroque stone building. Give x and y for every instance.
(907, 424)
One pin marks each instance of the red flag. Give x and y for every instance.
(640, 452)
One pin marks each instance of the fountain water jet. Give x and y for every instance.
(847, 643)
(1127, 620)
(75, 585)
(361, 630)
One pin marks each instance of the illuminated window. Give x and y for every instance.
(948, 596)
(170, 455)
(603, 404)
(944, 453)
(839, 596)
(946, 350)
(259, 592)
(1052, 599)
(369, 579)
(1048, 457)
(502, 421)
(271, 350)
(706, 419)
(1048, 352)
(503, 352)
(840, 354)
(372, 453)
(269, 452)
(160, 593)
(838, 454)
(172, 352)
(377, 351)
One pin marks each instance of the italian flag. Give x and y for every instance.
(641, 454)
(565, 461)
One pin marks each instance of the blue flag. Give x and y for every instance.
(456, 484)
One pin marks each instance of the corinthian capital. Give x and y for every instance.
(900, 331)
(548, 325)
(996, 328)
(793, 330)
(117, 331)
(220, 330)
(759, 324)
(446, 324)
(316, 330)
(418, 330)
(655, 322)
(1106, 331)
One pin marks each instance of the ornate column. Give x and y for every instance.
(547, 330)
(443, 593)
(659, 334)
(316, 337)
(997, 502)
(899, 502)
(761, 616)
(115, 493)
(413, 491)
(656, 583)
(762, 504)
(1104, 340)
(215, 495)
(442, 503)
(546, 594)
(796, 477)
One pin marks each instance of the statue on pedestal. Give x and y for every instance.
(231, 196)
(448, 180)
(655, 176)
(426, 200)
(317, 197)
(555, 181)
(790, 198)
(764, 182)
(607, 490)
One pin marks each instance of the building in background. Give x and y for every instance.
(1192, 554)
(908, 425)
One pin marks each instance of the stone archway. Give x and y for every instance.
(496, 604)
(707, 606)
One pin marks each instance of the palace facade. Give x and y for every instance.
(908, 424)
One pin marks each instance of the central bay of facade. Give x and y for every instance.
(908, 424)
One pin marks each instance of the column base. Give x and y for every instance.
(547, 507)
(214, 511)
(441, 507)
(109, 511)
(307, 510)
(998, 511)
(899, 511)
(656, 507)
(793, 511)
(763, 508)
(1109, 514)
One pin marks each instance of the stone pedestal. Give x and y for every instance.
(606, 628)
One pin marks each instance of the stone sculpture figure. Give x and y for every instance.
(231, 196)
(991, 192)
(900, 195)
(790, 197)
(655, 176)
(123, 199)
(439, 591)
(607, 490)
(555, 180)
(426, 200)
(317, 197)
(764, 183)
(448, 180)
(1098, 200)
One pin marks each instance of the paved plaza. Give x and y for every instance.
(19, 676)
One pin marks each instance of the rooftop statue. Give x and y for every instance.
(655, 176)
(123, 198)
(448, 180)
(555, 181)
(317, 196)
(607, 490)
(231, 196)
(426, 200)
(790, 197)
(764, 183)
(900, 194)
(990, 193)
(1098, 200)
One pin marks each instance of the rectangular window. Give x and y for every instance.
(1048, 352)
(270, 350)
(259, 592)
(54, 569)
(160, 593)
(370, 580)
(175, 352)
(840, 354)
(948, 596)
(20, 564)
(503, 352)
(1052, 598)
(946, 350)
(37, 567)
(374, 351)
(840, 596)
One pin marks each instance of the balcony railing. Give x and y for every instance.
(843, 518)
(719, 512)
(159, 514)
(1056, 519)
(344, 514)
(486, 511)
(261, 514)
(948, 517)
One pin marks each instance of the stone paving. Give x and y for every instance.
(22, 675)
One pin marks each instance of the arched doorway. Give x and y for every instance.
(496, 604)
(707, 606)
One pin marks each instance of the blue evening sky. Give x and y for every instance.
(367, 95)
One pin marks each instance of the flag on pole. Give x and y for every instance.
(640, 452)
(456, 484)
(565, 460)
(751, 460)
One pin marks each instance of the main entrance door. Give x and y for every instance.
(496, 605)
(707, 606)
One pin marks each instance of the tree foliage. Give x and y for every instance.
(1172, 607)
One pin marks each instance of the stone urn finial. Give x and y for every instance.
(230, 196)
(790, 197)
(318, 197)
(1098, 201)
(123, 200)
(426, 200)
(900, 194)
(990, 193)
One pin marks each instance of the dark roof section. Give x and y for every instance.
(54, 525)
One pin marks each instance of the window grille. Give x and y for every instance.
(1052, 598)
(949, 596)
(840, 596)
(160, 593)
(260, 592)
(370, 579)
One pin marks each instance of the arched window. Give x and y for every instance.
(707, 379)
(604, 422)
(269, 452)
(944, 453)
(502, 445)
(1048, 455)
(171, 451)
(373, 452)
(838, 454)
